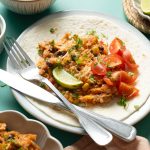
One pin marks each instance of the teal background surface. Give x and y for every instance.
(17, 23)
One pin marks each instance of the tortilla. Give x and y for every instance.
(81, 24)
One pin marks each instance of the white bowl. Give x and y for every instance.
(2, 32)
(27, 7)
(18, 122)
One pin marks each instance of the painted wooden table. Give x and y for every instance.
(17, 23)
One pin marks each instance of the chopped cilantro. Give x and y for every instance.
(11, 140)
(52, 30)
(85, 56)
(92, 79)
(123, 43)
(108, 74)
(78, 61)
(40, 52)
(74, 57)
(104, 36)
(95, 64)
(122, 101)
(91, 32)
(52, 42)
(136, 107)
(78, 41)
(71, 49)
(75, 95)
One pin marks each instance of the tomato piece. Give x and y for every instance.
(130, 62)
(123, 76)
(128, 91)
(98, 69)
(108, 81)
(114, 60)
(128, 77)
(117, 46)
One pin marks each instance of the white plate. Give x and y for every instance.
(18, 122)
(134, 116)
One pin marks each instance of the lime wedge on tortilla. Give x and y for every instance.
(145, 6)
(65, 79)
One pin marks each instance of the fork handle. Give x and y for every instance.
(122, 130)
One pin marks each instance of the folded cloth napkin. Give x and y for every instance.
(86, 143)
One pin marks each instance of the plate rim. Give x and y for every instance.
(133, 118)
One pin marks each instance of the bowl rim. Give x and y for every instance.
(3, 27)
(140, 11)
(49, 136)
(24, 1)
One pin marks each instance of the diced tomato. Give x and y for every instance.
(108, 81)
(117, 47)
(98, 69)
(130, 62)
(128, 91)
(127, 77)
(123, 76)
(114, 60)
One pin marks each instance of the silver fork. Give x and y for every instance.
(27, 69)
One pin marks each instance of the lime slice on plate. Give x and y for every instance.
(145, 6)
(65, 79)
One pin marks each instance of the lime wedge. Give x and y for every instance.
(65, 79)
(145, 6)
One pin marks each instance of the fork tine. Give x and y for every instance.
(17, 51)
(13, 53)
(15, 64)
(22, 52)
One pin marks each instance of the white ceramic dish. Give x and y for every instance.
(18, 122)
(2, 32)
(130, 119)
(27, 7)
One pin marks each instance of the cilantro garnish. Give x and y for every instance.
(78, 41)
(79, 61)
(122, 101)
(75, 95)
(92, 32)
(52, 30)
(104, 36)
(40, 52)
(74, 57)
(92, 79)
(108, 74)
(52, 42)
